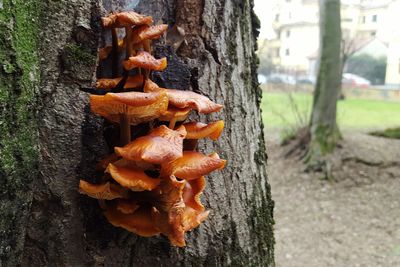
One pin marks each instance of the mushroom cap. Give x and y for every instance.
(173, 113)
(192, 165)
(131, 177)
(160, 145)
(131, 82)
(139, 222)
(126, 206)
(125, 19)
(107, 191)
(146, 32)
(138, 106)
(192, 192)
(197, 130)
(145, 60)
(189, 99)
(185, 99)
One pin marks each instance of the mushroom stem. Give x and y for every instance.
(114, 52)
(128, 32)
(102, 204)
(172, 123)
(125, 129)
(147, 48)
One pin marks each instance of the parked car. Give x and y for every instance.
(277, 78)
(305, 80)
(355, 80)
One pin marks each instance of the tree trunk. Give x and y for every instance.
(323, 126)
(44, 221)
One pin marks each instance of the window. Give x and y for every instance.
(374, 18)
(363, 19)
(373, 34)
(287, 52)
(277, 52)
(277, 17)
(288, 33)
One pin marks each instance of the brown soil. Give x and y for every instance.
(353, 220)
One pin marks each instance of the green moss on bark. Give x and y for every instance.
(19, 78)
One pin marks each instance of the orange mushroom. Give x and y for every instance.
(178, 208)
(146, 32)
(192, 192)
(159, 146)
(139, 222)
(107, 191)
(142, 204)
(138, 106)
(145, 60)
(125, 19)
(185, 99)
(131, 177)
(192, 165)
(176, 114)
(169, 209)
(194, 212)
(104, 52)
(131, 82)
(197, 130)
(126, 206)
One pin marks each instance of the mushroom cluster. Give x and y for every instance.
(150, 185)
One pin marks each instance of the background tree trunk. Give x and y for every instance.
(44, 221)
(323, 126)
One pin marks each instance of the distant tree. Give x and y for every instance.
(324, 132)
(369, 67)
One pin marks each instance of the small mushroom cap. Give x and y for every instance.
(188, 99)
(131, 177)
(138, 106)
(197, 130)
(160, 145)
(125, 19)
(140, 222)
(193, 218)
(192, 192)
(192, 165)
(107, 191)
(145, 60)
(185, 99)
(146, 32)
(131, 82)
(173, 113)
(126, 206)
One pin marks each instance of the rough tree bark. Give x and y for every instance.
(49, 140)
(323, 126)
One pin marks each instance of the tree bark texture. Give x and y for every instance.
(44, 221)
(324, 130)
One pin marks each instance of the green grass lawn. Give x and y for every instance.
(282, 111)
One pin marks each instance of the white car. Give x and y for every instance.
(355, 80)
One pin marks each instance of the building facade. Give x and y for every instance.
(367, 25)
